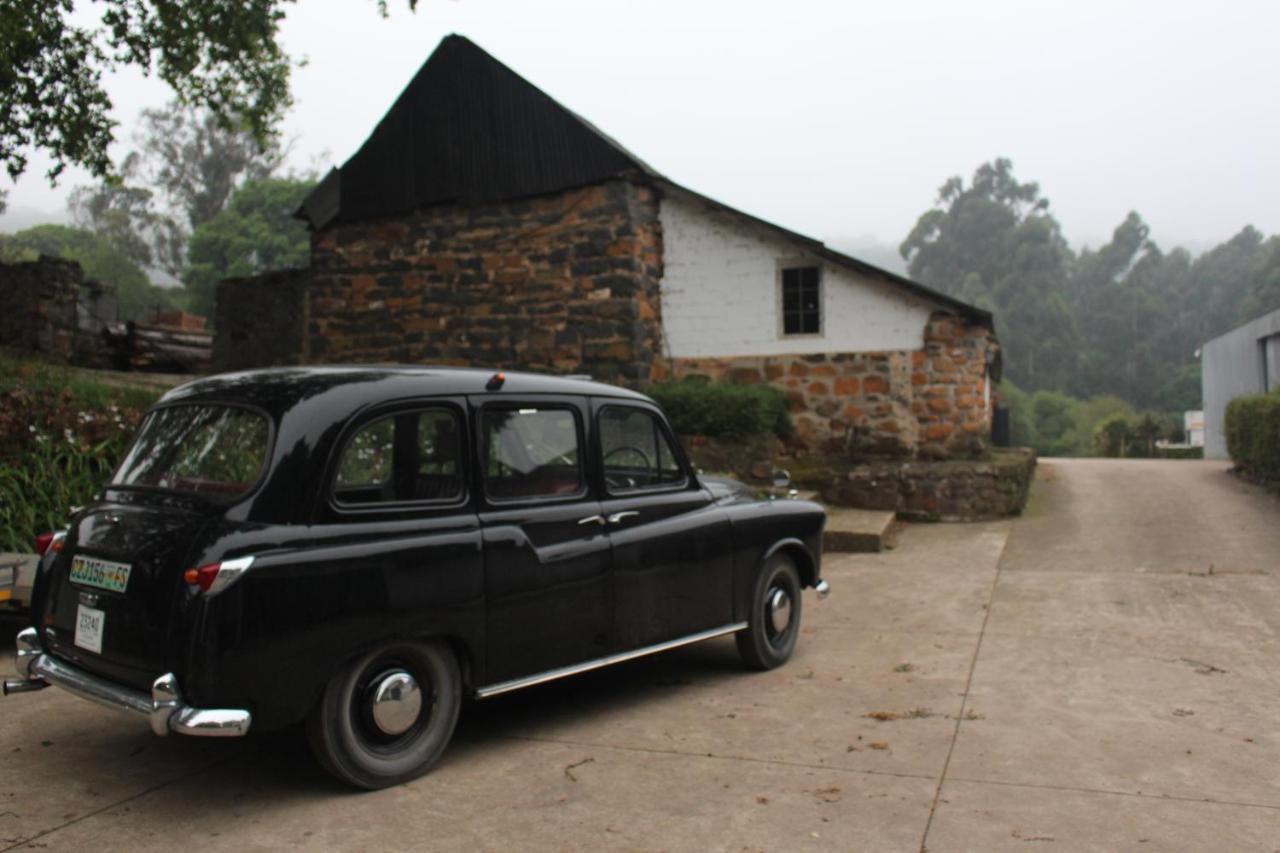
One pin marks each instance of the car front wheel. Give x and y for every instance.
(774, 621)
(386, 718)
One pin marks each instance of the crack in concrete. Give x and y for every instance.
(25, 842)
(1180, 798)
(687, 754)
(964, 699)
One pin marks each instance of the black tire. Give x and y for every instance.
(346, 740)
(761, 645)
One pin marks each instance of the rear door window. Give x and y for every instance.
(532, 453)
(407, 457)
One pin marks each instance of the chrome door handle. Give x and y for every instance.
(618, 516)
(592, 519)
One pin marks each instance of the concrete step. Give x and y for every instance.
(859, 531)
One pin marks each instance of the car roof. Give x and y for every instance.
(280, 389)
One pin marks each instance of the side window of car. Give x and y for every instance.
(636, 452)
(402, 458)
(531, 453)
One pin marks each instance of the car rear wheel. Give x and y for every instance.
(774, 621)
(386, 718)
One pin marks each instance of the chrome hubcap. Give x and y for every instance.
(779, 610)
(395, 702)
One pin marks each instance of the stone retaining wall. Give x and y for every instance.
(994, 487)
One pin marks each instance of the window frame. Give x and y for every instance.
(482, 455)
(664, 429)
(372, 416)
(783, 265)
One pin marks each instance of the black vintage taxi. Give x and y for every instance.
(357, 548)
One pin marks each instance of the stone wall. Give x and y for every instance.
(931, 401)
(995, 486)
(47, 307)
(261, 320)
(566, 283)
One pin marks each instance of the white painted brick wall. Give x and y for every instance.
(720, 293)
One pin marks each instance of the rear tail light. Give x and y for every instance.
(214, 577)
(51, 541)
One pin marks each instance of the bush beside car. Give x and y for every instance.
(698, 406)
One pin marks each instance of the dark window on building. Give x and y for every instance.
(801, 301)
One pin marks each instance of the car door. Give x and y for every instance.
(672, 548)
(549, 602)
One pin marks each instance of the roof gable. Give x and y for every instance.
(467, 129)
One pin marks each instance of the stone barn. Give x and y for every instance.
(483, 223)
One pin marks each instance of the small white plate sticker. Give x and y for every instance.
(89, 625)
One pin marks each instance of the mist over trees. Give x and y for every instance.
(1122, 320)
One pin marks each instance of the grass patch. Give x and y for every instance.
(61, 437)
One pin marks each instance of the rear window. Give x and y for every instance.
(199, 449)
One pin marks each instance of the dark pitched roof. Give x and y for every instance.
(467, 129)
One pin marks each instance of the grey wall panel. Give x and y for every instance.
(1233, 365)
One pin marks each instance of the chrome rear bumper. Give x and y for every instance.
(823, 589)
(164, 708)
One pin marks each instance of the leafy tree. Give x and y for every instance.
(255, 233)
(995, 244)
(184, 168)
(100, 259)
(220, 54)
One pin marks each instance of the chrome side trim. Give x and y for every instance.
(599, 663)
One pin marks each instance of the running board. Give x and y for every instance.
(598, 663)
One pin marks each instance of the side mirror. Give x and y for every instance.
(781, 478)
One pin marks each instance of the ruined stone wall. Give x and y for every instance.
(931, 401)
(567, 283)
(47, 307)
(261, 320)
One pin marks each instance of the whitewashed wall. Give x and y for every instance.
(720, 293)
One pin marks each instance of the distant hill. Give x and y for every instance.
(20, 218)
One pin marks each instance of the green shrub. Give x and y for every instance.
(1253, 435)
(698, 406)
(1113, 435)
(61, 437)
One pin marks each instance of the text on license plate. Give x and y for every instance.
(103, 574)
(89, 626)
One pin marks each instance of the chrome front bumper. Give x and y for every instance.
(164, 708)
(823, 589)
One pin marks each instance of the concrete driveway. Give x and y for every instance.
(1099, 674)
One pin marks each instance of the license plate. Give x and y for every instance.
(89, 626)
(103, 574)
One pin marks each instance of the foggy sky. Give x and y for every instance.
(841, 119)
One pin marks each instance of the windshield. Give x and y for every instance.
(200, 449)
